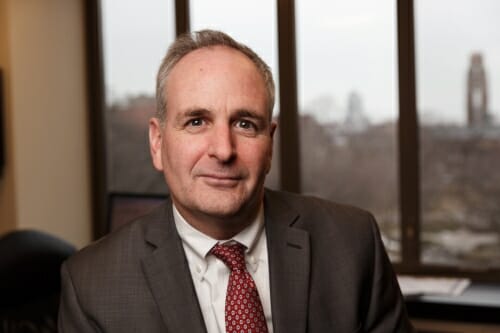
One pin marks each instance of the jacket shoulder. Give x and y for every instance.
(311, 209)
(117, 250)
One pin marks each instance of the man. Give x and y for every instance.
(223, 254)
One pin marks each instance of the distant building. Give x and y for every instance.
(477, 93)
(356, 120)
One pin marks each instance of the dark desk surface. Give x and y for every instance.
(480, 302)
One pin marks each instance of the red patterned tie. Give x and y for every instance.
(244, 313)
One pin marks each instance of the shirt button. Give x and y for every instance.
(198, 269)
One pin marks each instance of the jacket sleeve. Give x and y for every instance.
(72, 318)
(386, 311)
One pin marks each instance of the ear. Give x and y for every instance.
(273, 128)
(155, 142)
(272, 131)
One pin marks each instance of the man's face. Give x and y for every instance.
(215, 146)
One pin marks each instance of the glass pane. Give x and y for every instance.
(136, 37)
(459, 110)
(254, 24)
(347, 101)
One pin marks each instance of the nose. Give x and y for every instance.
(222, 145)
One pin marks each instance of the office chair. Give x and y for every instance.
(30, 283)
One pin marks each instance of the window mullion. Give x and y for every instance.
(289, 129)
(408, 137)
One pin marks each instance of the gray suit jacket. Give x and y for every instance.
(328, 273)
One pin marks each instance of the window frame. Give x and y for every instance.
(408, 129)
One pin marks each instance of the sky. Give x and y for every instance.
(342, 47)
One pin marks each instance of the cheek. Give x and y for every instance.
(257, 157)
(182, 154)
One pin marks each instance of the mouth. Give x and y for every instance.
(218, 180)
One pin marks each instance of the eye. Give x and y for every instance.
(196, 122)
(245, 124)
(195, 125)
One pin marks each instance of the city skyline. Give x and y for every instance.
(359, 33)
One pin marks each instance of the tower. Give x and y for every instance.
(477, 93)
(356, 120)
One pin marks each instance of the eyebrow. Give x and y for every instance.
(245, 113)
(192, 113)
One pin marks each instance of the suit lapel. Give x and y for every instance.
(169, 278)
(289, 266)
(167, 271)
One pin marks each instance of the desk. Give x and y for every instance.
(480, 302)
(477, 309)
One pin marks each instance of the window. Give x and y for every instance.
(347, 106)
(136, 36)
(459, 120)
(436, 173)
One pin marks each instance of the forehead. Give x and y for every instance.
(217, 69)
(214, 57)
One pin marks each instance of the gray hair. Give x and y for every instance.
(189, 42)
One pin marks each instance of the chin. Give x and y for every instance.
(226, 206)
(221, 208)
(222, 203)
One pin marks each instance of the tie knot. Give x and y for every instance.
(232, 255)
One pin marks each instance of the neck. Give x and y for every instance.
(216, 226)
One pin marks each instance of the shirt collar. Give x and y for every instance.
(201, 244)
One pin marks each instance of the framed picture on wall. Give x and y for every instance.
(125, 207)
(2, 102)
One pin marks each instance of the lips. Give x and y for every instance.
(221, 180)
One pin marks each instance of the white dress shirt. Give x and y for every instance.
(210, 275)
